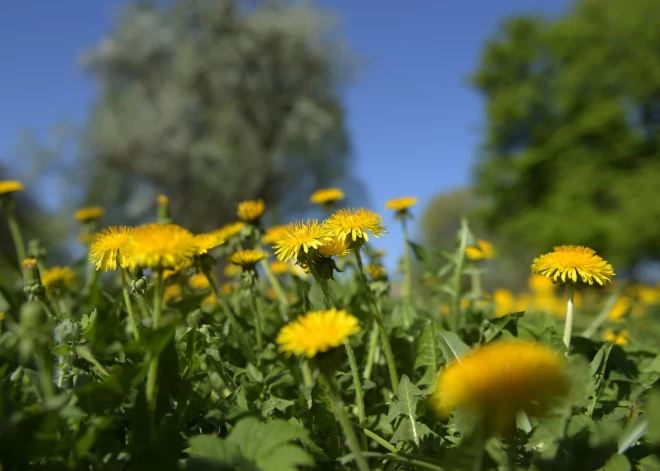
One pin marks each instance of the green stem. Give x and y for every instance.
(456, 315)
(144, 307)
(90, 278)
(407, 265)
(45, 375)
(277, 287)
(15, 231)
(387, 348)
(152, 375)
(87, 355)
(359, 394)
(345, 424)
(568, 325)
(604, 314)
(129, 305)
(476, 285)
(257, 322)
(371, 353)
(308, 381)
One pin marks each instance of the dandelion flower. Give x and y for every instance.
(199, 281)
(231, 271)
(377, 272)
(541, 284)
(573, 262)
(2, 316)
(483, 251)
(273, 234)
(401, 204)
(8, 187)
(505, 302)
(56, 279)
(280, 268)
(87, 238)
(334, 248)
(620, 308)
(160, 246)
(499, 379)
(356, 224)
(317, 332)
(327, 196)
(227, 288)
(251, 210)
(300, 236)
(230, 230)
(620, 338)
(247, 259)
(107, 250)
(163, 200)
(172, 292)
(205, 242)
(89, 214)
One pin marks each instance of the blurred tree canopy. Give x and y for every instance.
(213, 102)
(571, 153)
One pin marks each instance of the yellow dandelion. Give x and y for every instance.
(300, 236)
(107, 251)
(445, 310)
(230, 230)
(89, 214)
(87, 238)
(210, 301)
(334, 248)
(573, 262)
(227, 288)
(280, 268)
(231, 271)
(160, 246)
(205, 242)
(540, 284)
(327, 196)
(620, 338)
(172, 292)
(56, 279)
(247, 258)
(401, 204)
(273, 234)
(163, 200)
(317, 332)
(499, 379)
(377, 272)
(251, 210)
(505, 302)
(356, 224)
(2, 316)
(483, 251)
(199, 281)
(29, 263)
(621, 308)
(8, 187)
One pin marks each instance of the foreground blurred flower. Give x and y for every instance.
(355, 224)
(317, 332)
(620, 338)
(230, 230)
(159, 246)
(247, 259)
(499, 379)
(251, 210)
(58, 279)
(300, 236)
(273, 234)
(107, 250)
(8, 187)
(572, 263)
(88, 214)
(327, 196)
(483, 251)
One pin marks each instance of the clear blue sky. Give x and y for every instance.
(414, 121)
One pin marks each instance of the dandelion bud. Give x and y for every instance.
(164, 215)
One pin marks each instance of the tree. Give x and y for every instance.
(213, 102)
(571, 152)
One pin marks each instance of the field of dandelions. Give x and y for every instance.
(291, 347)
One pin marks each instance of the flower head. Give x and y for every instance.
(334, 248)
(499, 379)
(107, 250)
(483, 251)
(163, 200)
(401, 204)
(280, 268)
(89, 214)
(505, 302)
(205, 242)
(317, 332)
(573, 262)
(87, 237)
(247, 259)
(327, 196)
(230, 230)
(620, 338)
(57, 279)
(251, 210)
(377, 272)
(198, 281)
(172, 292)
(541, 284)
(300, 236)
(160, 246)
(273, 234)
(8, 187)
(356, 224)
(231, 271)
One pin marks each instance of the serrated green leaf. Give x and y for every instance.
(426, 354)
(325, 426)
(451, 345)
(411, 431)
(278, 403)
(508, 322)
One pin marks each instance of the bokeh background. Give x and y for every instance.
(539, 120)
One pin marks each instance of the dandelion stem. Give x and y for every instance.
(307, 375)
(476, 284)
(87, 355)
(455, 317)
(345, 424)
(371, 352)
(407, 265)
(45, 374)
(257, 322)
(15, 231)
(152, 376)
(129, 305)
(277, 287)
(568, 326)
(387, 348)
(144, 307)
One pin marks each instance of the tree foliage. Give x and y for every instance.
(571, 152)
(217, 102)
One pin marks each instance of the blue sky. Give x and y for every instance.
(414, 121)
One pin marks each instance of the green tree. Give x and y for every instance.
(571, 153)
(213, 102)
